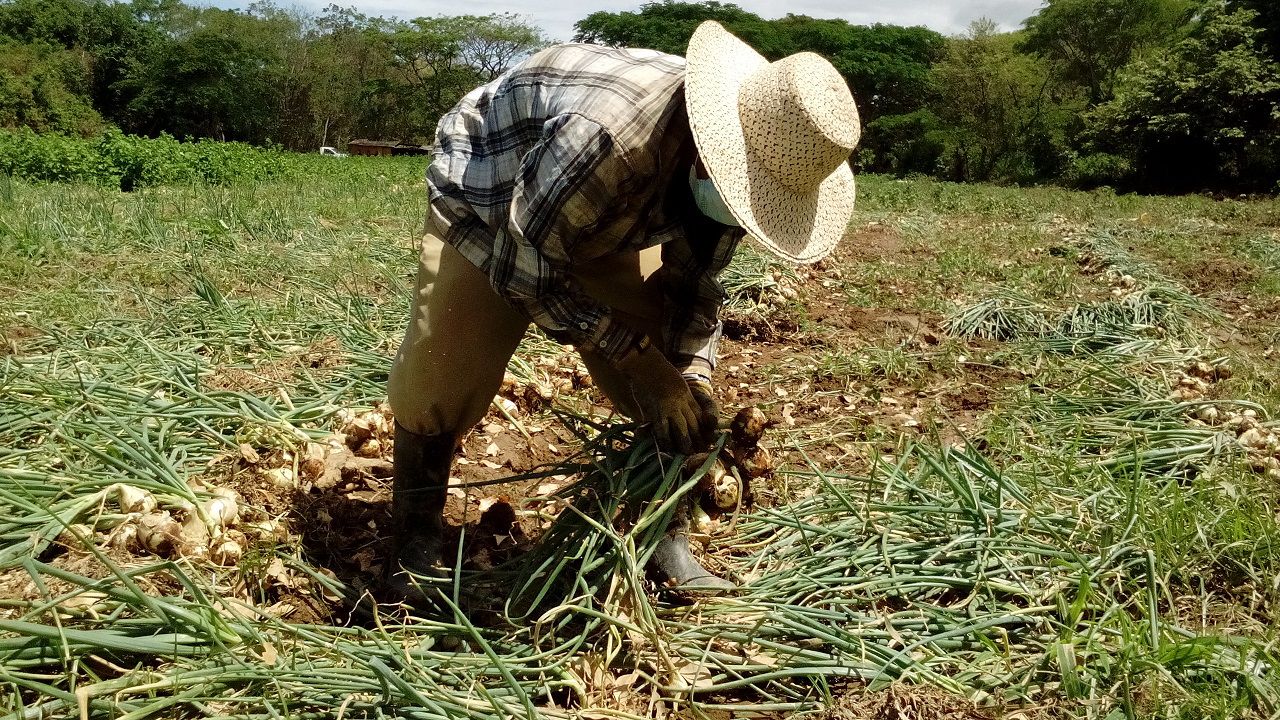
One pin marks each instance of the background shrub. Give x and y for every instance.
(130, 162)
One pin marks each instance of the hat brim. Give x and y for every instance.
(800, 226)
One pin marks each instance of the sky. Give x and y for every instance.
(557, 17)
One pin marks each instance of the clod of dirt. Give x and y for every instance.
(70, 537)
(370, 448)
(269, 530)
(356, 451)
(1207, 414)
(345, 466)
(377, 423)
(123, 537)
(727, 483)
(1210, 373)
(1195, 382)
(1261, 443)
(702, 522)
(1254, 438)
(195, 536)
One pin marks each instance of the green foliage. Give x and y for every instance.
(1087, 42)
(131, 162)
(43, 88)
(56, 22)
(887, 66)
(904, 144)
(1268, 19)
(1180, 97)
(353, 89)
(443, 58)
(664, 26)
(260, 75)
(1098, 169)
(213, 82)
(1001, 123)
(101, 39)
(1205, 114)
(46, 158)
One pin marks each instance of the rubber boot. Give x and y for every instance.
(418, 496)
(674, 566)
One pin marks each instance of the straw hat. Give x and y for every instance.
(775, 139)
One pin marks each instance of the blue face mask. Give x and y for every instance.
(708, 199)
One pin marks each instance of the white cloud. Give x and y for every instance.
(557, 17)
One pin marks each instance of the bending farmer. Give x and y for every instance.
(598, 192)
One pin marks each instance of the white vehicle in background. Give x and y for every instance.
(331, 152)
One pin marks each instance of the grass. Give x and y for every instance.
(1087, 546)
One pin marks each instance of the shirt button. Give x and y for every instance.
(582, 325)
(604, 343)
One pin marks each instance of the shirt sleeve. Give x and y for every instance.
(569, 184)
(693, 294)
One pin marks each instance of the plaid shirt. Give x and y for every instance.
(579, 152)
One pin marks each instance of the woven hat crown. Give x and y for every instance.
(775, 139)
(799, 118)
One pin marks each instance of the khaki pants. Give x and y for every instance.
(462, 333)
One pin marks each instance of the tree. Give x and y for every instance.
(1089, 41)
(913, 142)
(281, 35)
(886, 66)
(443, 58)
(490, 44)
(353, 86)
(57, 23)
(114, 36)
(663, 26)
(1205, 114)
(45, 88)
(995, 105)
(1268, 19)
(214, 77)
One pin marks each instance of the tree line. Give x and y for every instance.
(1150, 95)
(264, 75)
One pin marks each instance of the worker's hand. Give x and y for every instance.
(705, 396)
(663, 398)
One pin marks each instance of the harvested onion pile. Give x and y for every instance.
(726, 485)
(209, 530)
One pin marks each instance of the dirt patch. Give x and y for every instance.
(906, 702)
(1217, 274)
(1250, 324)
(69, 552)
(759, 327)
(264, 378)
(13, 338)
(872, 241)
(338, 508)
(114, 551)
(880, 324)
(843, 418)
